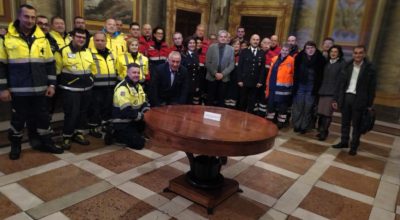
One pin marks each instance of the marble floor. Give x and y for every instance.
(299, 178)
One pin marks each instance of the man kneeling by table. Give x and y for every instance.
(130, 104)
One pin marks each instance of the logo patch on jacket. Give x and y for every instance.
(122, 93)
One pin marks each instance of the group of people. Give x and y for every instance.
(108, 80)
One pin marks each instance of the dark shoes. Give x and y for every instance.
(66, 144)
(15, 151)
(95, 132)
(80, 139)
(353, 152)
(340, 145)
(47, 145)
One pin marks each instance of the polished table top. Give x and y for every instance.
(183, 127)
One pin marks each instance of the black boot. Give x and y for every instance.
(15, 147)
(324, 129)
(109, 136)
(49, 146)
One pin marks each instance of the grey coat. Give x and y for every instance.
(330, 78)
(212, 60)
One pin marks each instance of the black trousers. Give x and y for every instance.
(216, 92)
(350, 116)
(131, 135)
(247, 99)
(26, 107)
(101, 105)
(75, 106)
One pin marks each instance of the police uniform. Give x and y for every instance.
(75, 79)
(190, 60)
(251, 71)
(27, 70)
(129, 106)
(105, 78)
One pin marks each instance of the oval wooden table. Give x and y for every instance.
(184, 127)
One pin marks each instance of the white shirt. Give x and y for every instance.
(354, 78)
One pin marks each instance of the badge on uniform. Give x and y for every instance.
(71, 55)
(122, 93)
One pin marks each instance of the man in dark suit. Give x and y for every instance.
(356, 93)
(170, 83)
(219, 63)
(251, 74)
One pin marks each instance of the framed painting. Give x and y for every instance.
(350, 21)
(5, 11)
(48, 8)
(97, 11)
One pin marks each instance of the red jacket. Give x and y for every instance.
(157, 56)
(271, 54)
(144, 45)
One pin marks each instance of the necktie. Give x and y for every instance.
(254, 52)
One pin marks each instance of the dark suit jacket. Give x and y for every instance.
(161, 90)
(251, 69)
(365, 88)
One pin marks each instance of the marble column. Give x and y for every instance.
(387, 51)
(219, 16)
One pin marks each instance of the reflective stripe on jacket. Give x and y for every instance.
(74, 69)
(26, 69)
(104, 73)
(129, 100)
(284, 78)
(116, 44)
(141, 60)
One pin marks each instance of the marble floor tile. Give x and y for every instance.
(287, 161)
(333, 206)
(20, 196)
(120, 160)
(7, 207)
(29, 159)
(375, 149)
(161, 150)
(112, 204)
(345, 192)
(62, 181)
(264, 181)
(351, 181)
(229, 209)
(304, 146)
(157, 180)
(363, 162)
(19, 216)
(378, 137)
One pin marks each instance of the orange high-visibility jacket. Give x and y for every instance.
(284, 78)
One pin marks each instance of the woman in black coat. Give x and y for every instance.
(328, 88)
(190, 60)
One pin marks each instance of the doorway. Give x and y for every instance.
(185, 25)
(263, 26)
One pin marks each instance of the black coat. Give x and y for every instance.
(192, 65)
(161, 90)
(365, 88)
(301, 68)
(251, 69)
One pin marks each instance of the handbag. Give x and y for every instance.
(367, 121)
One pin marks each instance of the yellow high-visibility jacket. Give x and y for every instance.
(61, 41)
(116, 44)
(129, 103)
(26, 65)
(104, 73)
(125, 59)
(74, 68)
